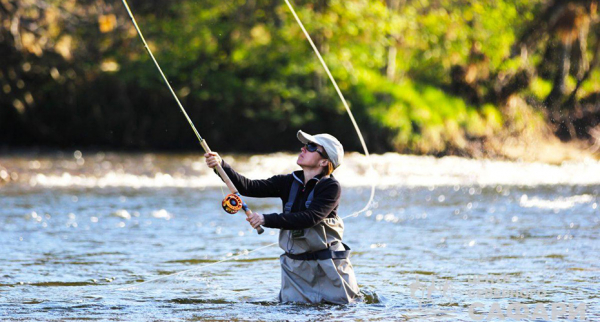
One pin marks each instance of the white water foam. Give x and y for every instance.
(555, 204)
(162, 214)
(114, 179)
(392, 170)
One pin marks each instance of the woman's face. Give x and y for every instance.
(309, 159)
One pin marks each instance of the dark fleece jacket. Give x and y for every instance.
(324, 204)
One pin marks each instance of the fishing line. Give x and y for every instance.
(129, 288)
(341, 96)
(339, 92)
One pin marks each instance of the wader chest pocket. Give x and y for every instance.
(298, 233)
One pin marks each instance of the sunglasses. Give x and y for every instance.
(311, 147)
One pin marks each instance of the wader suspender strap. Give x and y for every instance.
(321, 254)
(292, 197)
(288, 206)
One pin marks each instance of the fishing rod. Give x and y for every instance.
(233, 201)
(342, 98)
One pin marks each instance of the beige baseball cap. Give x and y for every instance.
(332, 146)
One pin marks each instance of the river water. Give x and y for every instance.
(126, 237)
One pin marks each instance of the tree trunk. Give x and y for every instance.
(553, 100)
(390, 67)
(319, 40)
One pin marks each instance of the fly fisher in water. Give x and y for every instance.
(315, 267)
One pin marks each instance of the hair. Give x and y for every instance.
(328, 170)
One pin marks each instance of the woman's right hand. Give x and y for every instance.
(212, 159)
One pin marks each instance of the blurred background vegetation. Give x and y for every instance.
(422, 76)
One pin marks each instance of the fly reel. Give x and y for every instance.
(232, 203)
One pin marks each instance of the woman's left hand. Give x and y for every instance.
(256, 219)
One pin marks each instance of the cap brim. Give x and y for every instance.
(305, 138)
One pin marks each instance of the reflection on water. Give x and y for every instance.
(81, 233)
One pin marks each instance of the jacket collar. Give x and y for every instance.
(299, 175)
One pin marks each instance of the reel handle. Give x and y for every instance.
(230, 185)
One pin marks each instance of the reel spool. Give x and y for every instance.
(232, 203)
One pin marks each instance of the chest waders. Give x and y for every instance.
(315, 267)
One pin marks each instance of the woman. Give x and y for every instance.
(315, 267)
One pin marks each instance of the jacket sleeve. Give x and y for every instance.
(270, 187)
(326, 199)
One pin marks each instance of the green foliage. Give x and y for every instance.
(540, 88)
(439, 34)
(592, 85)
(242, 66)
(424, 118)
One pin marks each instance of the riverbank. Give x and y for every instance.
(551, 151)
